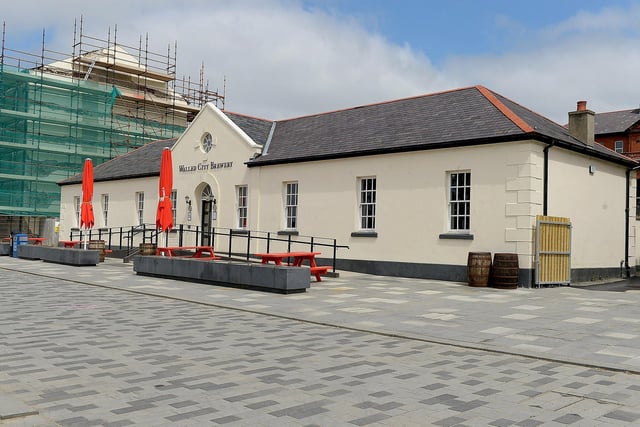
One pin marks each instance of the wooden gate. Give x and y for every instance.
(553, 250)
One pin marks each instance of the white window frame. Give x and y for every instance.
(242, 197)
(618, 146)
(174, 210)
(291, 195)
(638, 199)
(76, 210)
(367, 200)
(140, 207)
(459, 201)
(105, 209)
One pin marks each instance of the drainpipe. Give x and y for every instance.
(545, 180)
(626, 224)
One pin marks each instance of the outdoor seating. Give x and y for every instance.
(298, 259)
(201, 252)
(33, 240)
(70, 243)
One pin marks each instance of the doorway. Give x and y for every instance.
(209, 215)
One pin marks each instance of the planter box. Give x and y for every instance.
(264, 277)
(78, 257)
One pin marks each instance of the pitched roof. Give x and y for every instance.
(139, 163)
(257, 129)
(616, 121)
(466, 116)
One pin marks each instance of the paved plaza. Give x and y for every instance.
(101, 346)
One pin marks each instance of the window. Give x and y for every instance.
(174, 210)
(105, 209)
(619, 146)
(459, 201)
(367, 206)
(76, 207)
(637, 198)
(140, 207)
(291, 205)
(242, 191)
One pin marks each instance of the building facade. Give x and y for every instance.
(411, 186)
(101, 101)
(619, 131)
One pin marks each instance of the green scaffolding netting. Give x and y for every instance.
(49, 124)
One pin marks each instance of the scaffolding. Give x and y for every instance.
(101, 101)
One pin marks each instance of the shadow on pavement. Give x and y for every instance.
(632, 284)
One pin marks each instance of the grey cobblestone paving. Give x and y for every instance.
(145, 351)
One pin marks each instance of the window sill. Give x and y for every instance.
(456, 236)
(243, 231)
(288, 233)
(364, 234)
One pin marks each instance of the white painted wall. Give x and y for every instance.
(122, 210)
(412, 212)
(594, 202)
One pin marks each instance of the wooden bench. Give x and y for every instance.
(319, 270)
(201, 252)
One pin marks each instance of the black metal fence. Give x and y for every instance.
(234, 243)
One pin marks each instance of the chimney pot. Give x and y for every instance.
(582, 105)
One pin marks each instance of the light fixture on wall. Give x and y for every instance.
(592, 169)
(188, 200)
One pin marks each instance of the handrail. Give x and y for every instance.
(269, 238)
(148, 231)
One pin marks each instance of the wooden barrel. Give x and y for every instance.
(478, 268)
(505, 271)
(97, 245)
(147, 248)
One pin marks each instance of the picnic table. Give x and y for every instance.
(33, 240)
(298, 259)
(70, 243)
(202, 252)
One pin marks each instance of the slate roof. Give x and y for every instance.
(616, 121)
(461, 117)
(139, 163)
(467, 116)
(257, 129)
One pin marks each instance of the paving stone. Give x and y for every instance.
(93, 352)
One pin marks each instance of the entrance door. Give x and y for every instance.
(208, 216)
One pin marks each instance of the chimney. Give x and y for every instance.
(582, 123)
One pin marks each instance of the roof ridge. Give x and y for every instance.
(628, 110)
(249, 116)
(372, 104)
(517, 120)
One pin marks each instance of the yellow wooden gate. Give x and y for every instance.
(553, 250)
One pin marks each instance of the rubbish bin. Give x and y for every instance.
(17, 240)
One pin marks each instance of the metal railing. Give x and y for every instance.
(234, 243)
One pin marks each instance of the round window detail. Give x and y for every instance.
(207, 142)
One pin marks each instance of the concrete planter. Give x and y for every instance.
(265, 277)
(78, 257)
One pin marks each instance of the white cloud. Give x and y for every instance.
(583, 61)
(282, 59)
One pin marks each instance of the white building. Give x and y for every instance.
(411, 186)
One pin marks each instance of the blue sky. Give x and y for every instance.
(284, 58)
(463, 27)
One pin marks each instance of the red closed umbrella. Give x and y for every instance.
(164, 215)
(86, 208)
